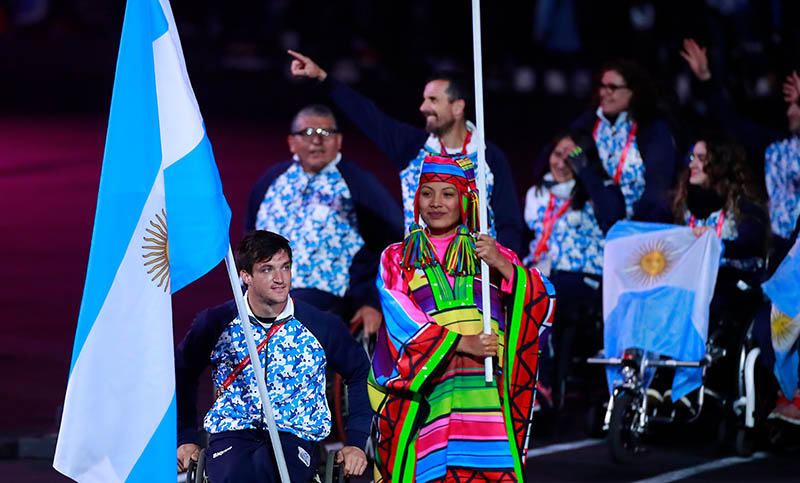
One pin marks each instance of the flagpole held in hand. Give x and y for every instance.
(480, 179)
(266, 406)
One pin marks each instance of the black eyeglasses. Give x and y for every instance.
(612, 87)
(312, 131)
(703, 158)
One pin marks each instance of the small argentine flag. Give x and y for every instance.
(658, 281)
(161, 222)
(783, 288)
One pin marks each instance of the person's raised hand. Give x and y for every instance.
(187, 452)
(577, 159)
(481, 345)
(303, 66)
(355, 460)
(697, 59)
(699, 230)
(791, 88)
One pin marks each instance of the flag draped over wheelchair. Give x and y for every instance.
(658, 281)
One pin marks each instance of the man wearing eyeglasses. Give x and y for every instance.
(446, 133)
(338, 217)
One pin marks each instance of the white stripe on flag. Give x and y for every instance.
(178, 114)
(124, 377)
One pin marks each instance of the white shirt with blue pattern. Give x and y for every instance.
(576, 242)
(295, 377)
(782, 171)
(316, 213)
(610, 140)
(409, 177)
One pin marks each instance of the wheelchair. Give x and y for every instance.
(328, 472)
(731, 377)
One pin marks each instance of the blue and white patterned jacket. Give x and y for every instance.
(782, 170)
(576, 242)
(650, 166)
(296, 359)
(405, 146)
(337, 221)
(781, 150)
(610, 140)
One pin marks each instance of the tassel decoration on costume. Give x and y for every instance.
(417, 249)
(470, 210)
(460, 258)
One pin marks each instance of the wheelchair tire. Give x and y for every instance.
(745, 442)
(623, 440)
(593, 422)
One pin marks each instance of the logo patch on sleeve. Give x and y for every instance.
(304, 456)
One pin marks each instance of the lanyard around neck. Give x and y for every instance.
(720, 222)
(548, 222)
(240, 367)
(624, 155)
(463, 148)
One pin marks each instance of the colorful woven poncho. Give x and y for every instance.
(438, 420)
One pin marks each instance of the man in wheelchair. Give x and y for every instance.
(296, 342)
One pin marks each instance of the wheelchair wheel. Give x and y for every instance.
(623, 438)
(593, 420)
(745, 442)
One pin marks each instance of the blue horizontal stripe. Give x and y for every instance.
(442, 168)
(659, 321)
(468, 454)
(198, 217)
(624, 228)
(131, 160)
(784, 286)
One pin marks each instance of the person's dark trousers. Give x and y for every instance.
(246, 456)
(578, 302)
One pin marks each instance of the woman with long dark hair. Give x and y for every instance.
(717, 192)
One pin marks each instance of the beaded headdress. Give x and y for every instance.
(460, 257)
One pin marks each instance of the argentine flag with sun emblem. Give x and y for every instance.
(658, 281)
(161, 222)
(783, 289)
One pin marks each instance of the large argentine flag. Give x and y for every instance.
(161, 222)
(784, 291)
(658, 281)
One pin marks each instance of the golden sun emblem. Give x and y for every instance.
(651, 262)
(785, 330)
(157, 252)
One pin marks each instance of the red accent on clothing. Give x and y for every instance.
(624, 155)
(720, 222)
(547, 225)
(240, 367)
(463, 149)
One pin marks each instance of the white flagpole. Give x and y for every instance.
(258, 369)
(480, 179)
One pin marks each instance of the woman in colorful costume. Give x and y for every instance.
(438, 420)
